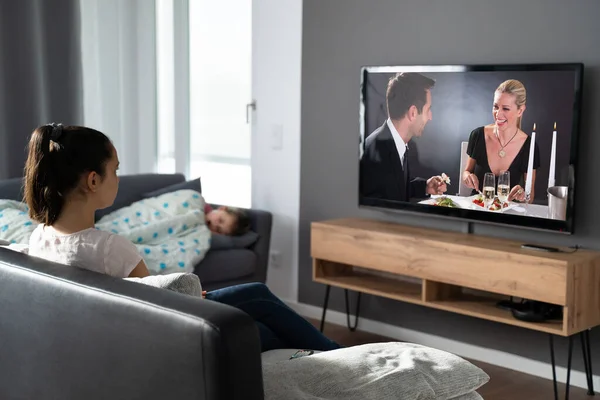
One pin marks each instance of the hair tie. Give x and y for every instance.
(57, 130)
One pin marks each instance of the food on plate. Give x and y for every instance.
(445, 202)
(478, 200)
(495, 206)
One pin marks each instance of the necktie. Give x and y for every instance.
(405, 165)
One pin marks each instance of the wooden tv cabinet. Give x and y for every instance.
(457, 272)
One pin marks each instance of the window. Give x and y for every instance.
(220, 55)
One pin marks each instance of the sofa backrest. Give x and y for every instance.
(131, 188)
(11, 189)
(68, 333)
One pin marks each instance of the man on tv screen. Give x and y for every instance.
(384, 170)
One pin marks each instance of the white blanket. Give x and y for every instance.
(168, 230)
(15, 224)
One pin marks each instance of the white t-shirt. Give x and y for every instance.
(91, 249)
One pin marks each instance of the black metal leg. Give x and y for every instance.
(327, 289)
(569, 367)
(587, 361)
(352, 328)
(553, 367)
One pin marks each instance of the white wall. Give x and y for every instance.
(276, 70)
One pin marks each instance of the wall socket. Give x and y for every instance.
(275, 258)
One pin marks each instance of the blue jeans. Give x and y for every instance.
(279, 326)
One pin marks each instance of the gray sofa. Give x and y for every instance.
(220, 267)
(72, 334)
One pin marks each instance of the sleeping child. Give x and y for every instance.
(172, 231)
(226, 220)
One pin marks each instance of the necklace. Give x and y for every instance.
(501, 152)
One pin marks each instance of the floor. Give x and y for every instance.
(504, 383)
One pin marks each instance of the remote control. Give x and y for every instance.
(539, 248)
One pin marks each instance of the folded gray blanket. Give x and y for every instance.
(377, 371)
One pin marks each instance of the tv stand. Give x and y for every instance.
(460, 273)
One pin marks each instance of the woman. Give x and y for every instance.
(502, 145)
(70, 173)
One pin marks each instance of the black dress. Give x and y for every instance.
(477, 150)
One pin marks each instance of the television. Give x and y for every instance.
(487, 143)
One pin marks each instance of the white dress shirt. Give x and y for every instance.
(400, 145)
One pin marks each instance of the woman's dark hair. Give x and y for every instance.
(58, 157)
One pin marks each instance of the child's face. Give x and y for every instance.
(220, 221)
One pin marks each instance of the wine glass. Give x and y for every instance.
(503, 186)
(489, 189)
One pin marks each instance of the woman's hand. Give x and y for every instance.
(470, 180)
(517, 193)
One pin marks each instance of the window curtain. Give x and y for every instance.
(118, 45)
(40, 73)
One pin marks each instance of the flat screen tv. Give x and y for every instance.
(488, 143)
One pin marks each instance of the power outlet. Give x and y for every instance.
(275, 258)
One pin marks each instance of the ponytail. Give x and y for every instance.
(57, 158)
(41, 191)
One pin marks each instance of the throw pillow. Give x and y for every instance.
(180, 282)
(193, 185)
(224, 242)
(378, 371)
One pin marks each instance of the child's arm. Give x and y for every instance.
(140, 271)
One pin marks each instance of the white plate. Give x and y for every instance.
(466, 202)
(460, 201)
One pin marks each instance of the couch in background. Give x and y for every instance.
(231, 260)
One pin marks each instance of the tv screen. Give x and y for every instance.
(490, 143)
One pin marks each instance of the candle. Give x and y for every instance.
(530, 165)
(552, 159)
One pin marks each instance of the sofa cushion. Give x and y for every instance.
(11, 189)
(178, 282)
(224, 265)
(131, 188)
(381, 371)
(193, 185)
(225, 242)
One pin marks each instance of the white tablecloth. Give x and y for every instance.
(526, 210)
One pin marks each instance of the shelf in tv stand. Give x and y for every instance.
(456, 272)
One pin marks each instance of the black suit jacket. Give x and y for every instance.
(381, 174)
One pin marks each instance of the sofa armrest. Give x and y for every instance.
(77, 334)
(261, 222)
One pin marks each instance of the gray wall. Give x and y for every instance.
(339, 36)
